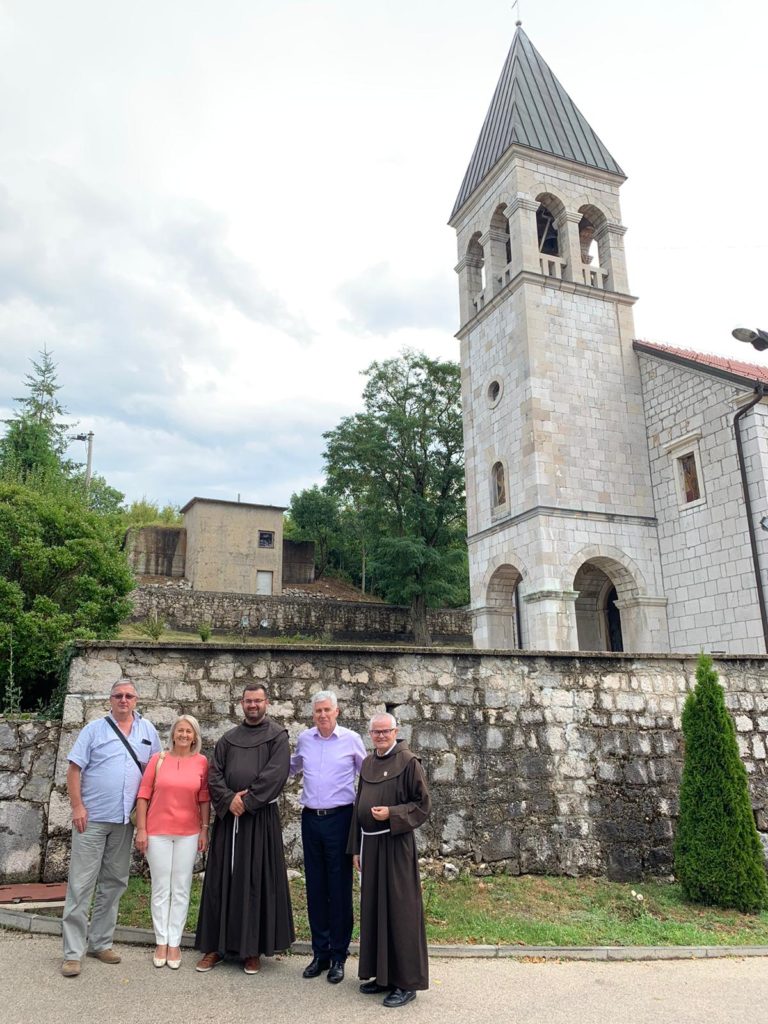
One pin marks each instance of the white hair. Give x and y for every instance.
(382, 714)
(324, 695)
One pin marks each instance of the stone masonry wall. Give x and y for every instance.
(185, 609)
(27, 760)
(537, 762)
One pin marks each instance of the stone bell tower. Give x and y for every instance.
(563, 546)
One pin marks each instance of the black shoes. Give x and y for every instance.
(317, 967)
(372, 988)
(399, 997)
(336, 972)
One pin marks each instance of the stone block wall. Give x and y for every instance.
(27, 759)
(184, 609)
(538, 763)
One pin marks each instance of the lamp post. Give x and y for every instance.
(757, 339)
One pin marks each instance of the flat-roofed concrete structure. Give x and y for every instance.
(234, 547)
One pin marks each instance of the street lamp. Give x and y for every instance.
(757, 339)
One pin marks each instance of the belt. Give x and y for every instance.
(325, 812)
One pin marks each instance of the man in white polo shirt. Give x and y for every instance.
(105, 768)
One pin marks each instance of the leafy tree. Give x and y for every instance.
(402, 461)
(718, 854)
(149, 513)
(314, 515)
(62, 577)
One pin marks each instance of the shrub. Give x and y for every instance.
(718, 854)
(152, 626)
(204, 631)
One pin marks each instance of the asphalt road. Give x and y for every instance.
(463, 991)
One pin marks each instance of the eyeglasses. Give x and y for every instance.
(248, 703)
(123, 696)
(381, 732)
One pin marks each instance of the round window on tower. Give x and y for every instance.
(494, 393)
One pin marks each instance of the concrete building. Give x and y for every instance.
(234, 547)
(580, 444)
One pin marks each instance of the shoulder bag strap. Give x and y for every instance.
(125, 742)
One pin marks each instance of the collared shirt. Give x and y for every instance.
(110, 779)
(330, 766)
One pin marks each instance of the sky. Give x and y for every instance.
(216, 213)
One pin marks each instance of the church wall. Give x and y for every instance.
(706, 560)
(537, 763)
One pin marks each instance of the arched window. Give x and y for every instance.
(547, 232)
(593, 244)
(476, 265)
(498, 485)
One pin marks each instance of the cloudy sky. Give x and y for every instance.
(216, 213)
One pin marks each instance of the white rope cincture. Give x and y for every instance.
(363, 834)
(234, 837)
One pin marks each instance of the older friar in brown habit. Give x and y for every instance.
(392, 801)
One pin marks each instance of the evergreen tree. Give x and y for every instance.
(41, 406)
(718, 854)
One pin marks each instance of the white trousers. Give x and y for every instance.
(171, 861)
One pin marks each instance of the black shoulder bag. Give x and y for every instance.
(132, 752)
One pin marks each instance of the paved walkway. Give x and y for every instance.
(462, 992)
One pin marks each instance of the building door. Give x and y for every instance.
(264, 583)
(613, 621)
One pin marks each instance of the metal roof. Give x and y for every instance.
(531, 108)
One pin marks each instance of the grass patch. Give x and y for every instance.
(537, 911)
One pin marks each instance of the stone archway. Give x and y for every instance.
(598, 619)
(502, 608)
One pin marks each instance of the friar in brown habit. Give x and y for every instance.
(392, 801)
(245, 910)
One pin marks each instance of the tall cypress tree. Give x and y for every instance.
(718, 854)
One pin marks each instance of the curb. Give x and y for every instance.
(39, 924)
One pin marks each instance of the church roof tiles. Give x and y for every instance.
(747, 373)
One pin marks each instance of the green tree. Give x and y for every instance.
(149, 513)
(402, 461)
(718, 854)
(62, 578)
(41, 405)
(314, 515)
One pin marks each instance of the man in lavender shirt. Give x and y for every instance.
(329, 756)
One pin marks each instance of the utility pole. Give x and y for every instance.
(88, 438)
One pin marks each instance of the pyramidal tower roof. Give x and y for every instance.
(531, 108)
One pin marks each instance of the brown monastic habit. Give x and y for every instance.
(393, 941)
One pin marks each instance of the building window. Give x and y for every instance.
(494, 393)
(689, 478)
(266, 539)
(498, 484)
(685, 458)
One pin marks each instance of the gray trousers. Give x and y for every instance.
(101, 858)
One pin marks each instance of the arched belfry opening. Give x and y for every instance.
(502, 602)
(598, 584)
(593, 244)
(476, 268)
(549, 218)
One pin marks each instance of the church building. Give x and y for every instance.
(605, 508)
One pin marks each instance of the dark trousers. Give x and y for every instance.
(328, 870)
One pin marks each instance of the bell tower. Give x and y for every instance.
(563, 545)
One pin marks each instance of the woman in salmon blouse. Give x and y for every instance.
(172, 812)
